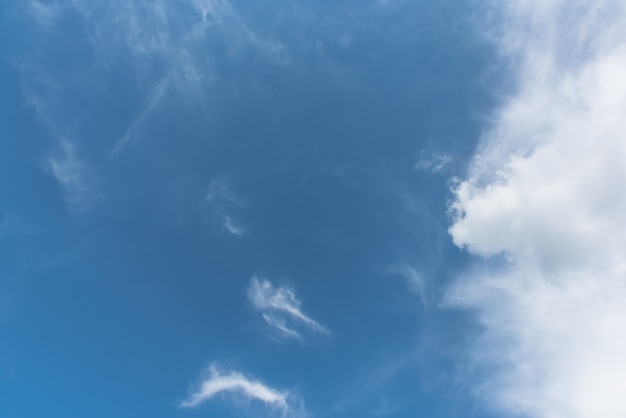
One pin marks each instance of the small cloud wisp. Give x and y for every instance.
(240, 388)
(72, 174)
(281, 309)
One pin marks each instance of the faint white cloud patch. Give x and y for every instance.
(547, 190)
(239, 389)
(415, 281)
(45, 13)
(232, 227)
(432, 162)
(172, 45)
(281, 310)
(225, 207)
(220, 192)
(5, 223)
(175, 49)
(74, 176)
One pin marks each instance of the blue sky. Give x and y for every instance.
(216, 208)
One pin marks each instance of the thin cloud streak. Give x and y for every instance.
(281, 309)
(172, 48)
(279, 323)
(545, 201)
(240, 389)
(414, 280)
(155, 98)
(167, 42)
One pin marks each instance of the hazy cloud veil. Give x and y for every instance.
(547, 189)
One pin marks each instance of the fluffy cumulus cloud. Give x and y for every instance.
(281, 309)
(546, 195)
(240, 389)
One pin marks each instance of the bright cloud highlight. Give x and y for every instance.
(547, 190)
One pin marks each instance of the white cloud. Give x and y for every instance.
(239, 388)
(281, 309)
(73, 175)
(547, 190)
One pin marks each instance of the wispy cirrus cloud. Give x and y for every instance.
(242, 390)
(224, 205)
(221, 193)
(546, 193)
(414, 280)
(188, 53)
(175, 51)
(433, 162)
(232, 227)
(174, 47)
(153, 100)
(281, 309)
(45, 13)
(74, 176)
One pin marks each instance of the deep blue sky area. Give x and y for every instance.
(156, 156)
